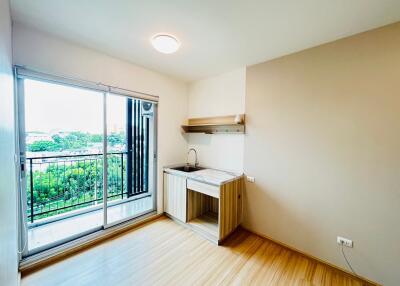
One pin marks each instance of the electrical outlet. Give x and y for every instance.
(344, 241)
(251, 179)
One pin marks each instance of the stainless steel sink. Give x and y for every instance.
(187, 168)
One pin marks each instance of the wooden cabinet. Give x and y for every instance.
(213, 211)
(175, 196)
(230, 207)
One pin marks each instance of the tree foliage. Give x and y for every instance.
(74, 141)
(71, 183)
(66, 184)
(43, 145)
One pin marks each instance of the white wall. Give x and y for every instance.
(55, 56)
(8, 195)
(215, 96)
(323, 142)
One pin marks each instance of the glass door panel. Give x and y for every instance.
(61, 134)
(130, 141)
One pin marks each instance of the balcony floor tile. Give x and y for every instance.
(55, 231)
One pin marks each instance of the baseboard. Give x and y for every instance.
(310, 256)
(41, 260)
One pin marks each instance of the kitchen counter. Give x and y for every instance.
(208, 201)
(206, 175)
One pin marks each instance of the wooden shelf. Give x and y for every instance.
(215, 125)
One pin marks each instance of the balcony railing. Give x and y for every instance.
(61, 184)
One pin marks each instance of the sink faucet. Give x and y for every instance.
(196, 163)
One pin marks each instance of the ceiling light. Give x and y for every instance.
(165, 44)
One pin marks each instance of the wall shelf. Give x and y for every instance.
(216, 125)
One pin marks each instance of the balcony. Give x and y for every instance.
(65, 195)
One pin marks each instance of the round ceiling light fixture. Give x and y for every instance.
(165, 44)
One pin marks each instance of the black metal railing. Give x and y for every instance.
(60, 184)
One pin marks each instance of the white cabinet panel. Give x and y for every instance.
(203, 188)
(175, 196)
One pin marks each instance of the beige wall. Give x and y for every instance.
(215, 96)
(53, 55)
(8, 195)
(323, 142)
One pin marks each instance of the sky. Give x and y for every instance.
(52, 107)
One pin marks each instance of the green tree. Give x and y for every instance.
(96, 138)
(56, 185)
(116, 138)
(75, 140)
(43, 145)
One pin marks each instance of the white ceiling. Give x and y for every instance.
(216, 35)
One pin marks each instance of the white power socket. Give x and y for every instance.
(344, 241)
(251, 179)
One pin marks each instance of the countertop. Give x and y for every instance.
(207, 175)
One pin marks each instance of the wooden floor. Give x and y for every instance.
(165, 253)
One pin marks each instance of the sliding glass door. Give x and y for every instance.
(130, 141)
(78, 146)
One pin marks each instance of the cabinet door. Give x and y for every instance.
(175, 196)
